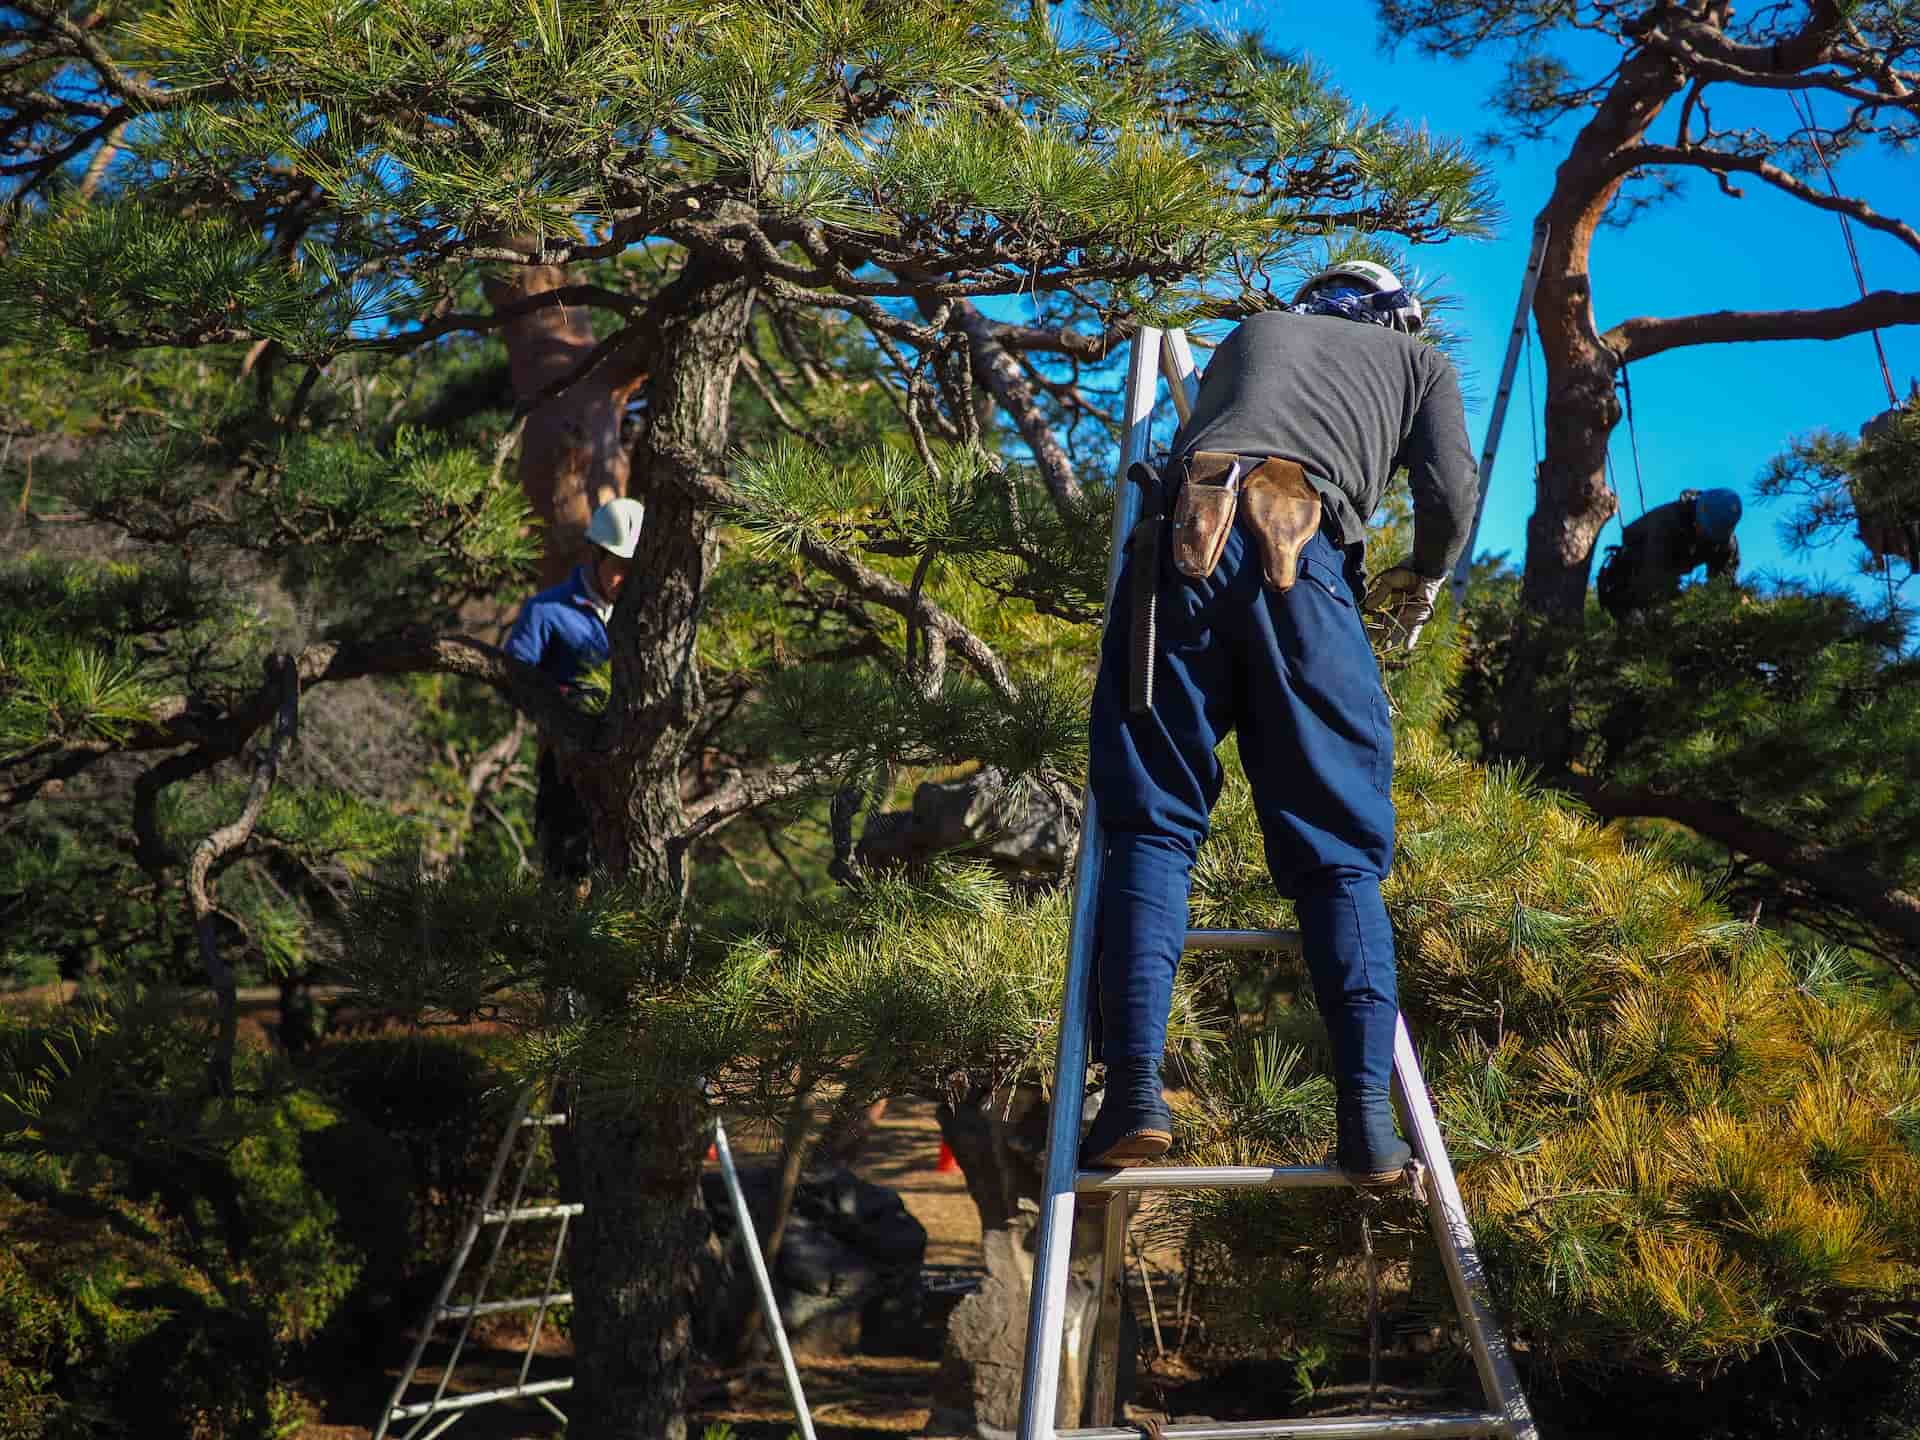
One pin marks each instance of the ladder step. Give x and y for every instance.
(515, 1392)
(1207, 940)
(1209, 1177)
(530, 1212)
(1358, 1427)
(501, 1307)
(530, 1120)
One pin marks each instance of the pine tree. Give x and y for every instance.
(320, 193)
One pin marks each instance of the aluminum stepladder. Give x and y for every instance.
(1505, 1413)
(435, 1415)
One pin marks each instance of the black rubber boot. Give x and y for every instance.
(1368, 1151)
(1134, 1124)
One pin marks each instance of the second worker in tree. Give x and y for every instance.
(1658, 550)
(1302, 417)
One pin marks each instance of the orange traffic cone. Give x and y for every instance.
(946, 1164)
(713, 1152)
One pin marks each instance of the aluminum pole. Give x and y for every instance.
(1047, 1307)
(1497, 419)
(1465, 1275)
(769, 1302)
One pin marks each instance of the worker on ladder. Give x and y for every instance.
(562, 632)
(1658, 550)
(1256, 585)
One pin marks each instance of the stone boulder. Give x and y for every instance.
(1025, 832)
(999, 1138)
(851, 1252)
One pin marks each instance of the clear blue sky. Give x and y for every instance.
(1710, 415)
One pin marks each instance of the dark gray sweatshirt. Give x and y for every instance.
(1351, 403)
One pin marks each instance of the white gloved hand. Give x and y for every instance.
(1399, 604)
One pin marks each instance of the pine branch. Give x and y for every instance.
(283, 681)
(1634, 157)
(999, 372)
(1897, 910)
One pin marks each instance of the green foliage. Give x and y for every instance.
(122, 275)
(169, 1255)
(1845, 490)
(1793, 712)
(1681, 1142)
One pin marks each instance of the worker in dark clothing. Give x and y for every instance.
(1301, 419)
(1657, 550)
(563, 632)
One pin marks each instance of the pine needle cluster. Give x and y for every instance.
(1680, 1140)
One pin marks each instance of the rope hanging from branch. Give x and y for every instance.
(1633, 437)
(1803, 107)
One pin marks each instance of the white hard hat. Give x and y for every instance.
(615, 527)
(1379, 279)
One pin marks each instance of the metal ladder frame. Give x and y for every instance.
(1506, 1413)
(1497, 417)
(449, 1410)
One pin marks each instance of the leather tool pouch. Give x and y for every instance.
(1283, 512)
(1203, 515)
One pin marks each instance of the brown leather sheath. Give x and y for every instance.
(1203, 515)
(1283, 512)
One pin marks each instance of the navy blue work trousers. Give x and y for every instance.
(1295, 678)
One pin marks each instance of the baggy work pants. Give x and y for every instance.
(1294, 676)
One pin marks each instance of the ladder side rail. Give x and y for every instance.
(1046, 1309)
(757, 1262)
(468, 1235)
(1454, 1236)
(1497, 418)
(548, 1297)
(1176, 364)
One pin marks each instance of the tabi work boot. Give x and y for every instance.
(1368, 1151)
(1134, 1124)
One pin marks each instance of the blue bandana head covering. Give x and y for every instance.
(1350, 302)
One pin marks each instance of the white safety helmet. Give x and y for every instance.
(615, 527)
(1378, 279)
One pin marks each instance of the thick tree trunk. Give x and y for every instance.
(572, 459)
(638, 1168)
(1572, 499)
(633, 787)
(634, 1259)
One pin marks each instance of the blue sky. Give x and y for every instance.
(1708, 415)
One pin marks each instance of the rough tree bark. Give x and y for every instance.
(1572, 499)
(638, 1241)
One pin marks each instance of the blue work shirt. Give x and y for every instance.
(561, 630)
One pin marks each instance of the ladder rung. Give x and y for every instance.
(501, 1307)
(530, 1212)
(559, 1119)
(1242, 940)
(514, 1392)
(1210, 1177)
(1358, 1427)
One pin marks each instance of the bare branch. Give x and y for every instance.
(1643, 336)
(1720, 162)
(282, 678)
(1001, 374)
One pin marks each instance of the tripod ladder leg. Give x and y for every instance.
(1466, 1277)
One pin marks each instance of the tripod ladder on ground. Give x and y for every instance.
(1505, 1411)
(439, 1411)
